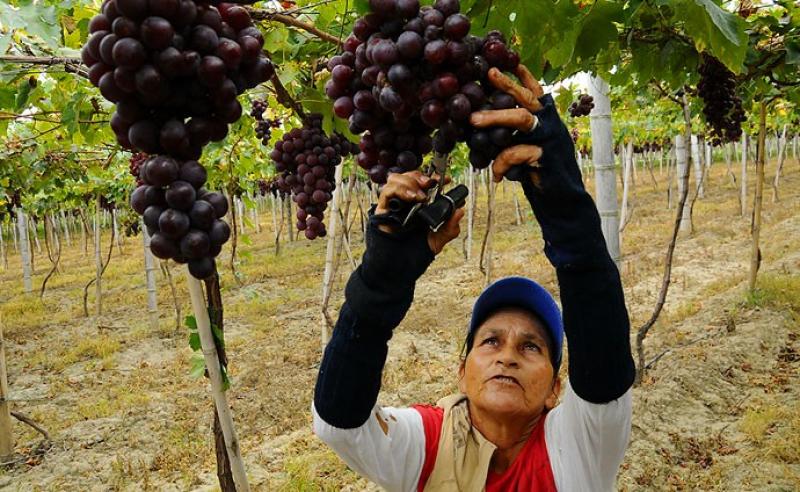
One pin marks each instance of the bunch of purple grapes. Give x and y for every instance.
(135, 166)
(306, 159)
(106, 204)
(264, 126)
(582, 107)
(183, 219)
(722, 107)
(406, 71)
(174, 69)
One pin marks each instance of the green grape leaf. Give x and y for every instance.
(197, 366)
(712, 28)
(34, 18)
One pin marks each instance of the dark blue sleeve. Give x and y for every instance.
(596, 321)
(377, 297)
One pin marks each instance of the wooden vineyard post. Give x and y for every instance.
(327, 278)
(211, 358)
(24, 248)
(6, 436)
(150, 277)
(755, 254)
(604, 165)
(275, 229)
(98, 260)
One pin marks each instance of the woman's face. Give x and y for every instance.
(508, 373)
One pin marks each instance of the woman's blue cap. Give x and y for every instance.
(522, 293)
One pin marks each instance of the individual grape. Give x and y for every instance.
(202, 215)
(193, 173)
(139, 200)
(456, 26)
(447, 7)
(124, 27)
(160, 171)
(135, 9)
(195, 244)
(173, 224)
(435, 52)
(219, 233)
(156, 32)
(218, 201)
(181, 195)
(459, 107)
(163, 247)
(343, 107)
(151, 215)
(128, 53)
(410, 45)
(144, 135)
(202, 268)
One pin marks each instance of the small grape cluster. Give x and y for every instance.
(722, 108)
(183, 219)
(135, 166)
(406, 71)
(264, 126)
(575, 134)
(582, 107)
(306, 159)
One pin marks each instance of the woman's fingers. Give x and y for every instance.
(513, 156)
(524, 96)
(529, 81)
(408, 187)
(518, 118)
(449, 231)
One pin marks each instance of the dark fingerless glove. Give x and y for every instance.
(566, 212)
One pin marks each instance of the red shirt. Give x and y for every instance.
(530, 470)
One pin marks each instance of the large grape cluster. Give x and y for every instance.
(307, 159)
(264, 126)
(182, 217)
(406, 72)
(722, 107)
(582, 107)
(174, 69)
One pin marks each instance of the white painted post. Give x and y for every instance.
(24, 246)
(150, 277)
(327, 281)
(682, 164)
(698, 170)
(603, 162)
(98, 258)
(743, 192)
(215, 375)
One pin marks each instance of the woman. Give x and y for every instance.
(506, 429)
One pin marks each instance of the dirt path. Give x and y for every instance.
(718, 409)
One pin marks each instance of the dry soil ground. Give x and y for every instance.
(718, 409)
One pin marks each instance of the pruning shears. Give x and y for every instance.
(438, 206)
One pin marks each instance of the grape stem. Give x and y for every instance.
(288, 20)
(72, 65)
(285, 98)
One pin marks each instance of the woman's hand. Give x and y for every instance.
(523, 119)
(413, 187)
